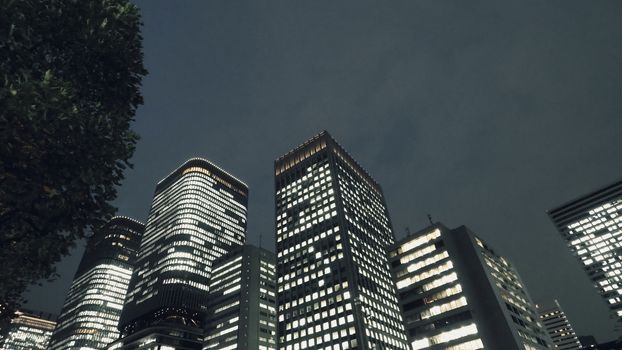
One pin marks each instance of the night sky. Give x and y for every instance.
(482, 113)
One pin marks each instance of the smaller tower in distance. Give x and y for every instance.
(29, 330)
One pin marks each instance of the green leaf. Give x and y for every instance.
(62, 116)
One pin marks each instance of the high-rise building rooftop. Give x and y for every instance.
(332, 230)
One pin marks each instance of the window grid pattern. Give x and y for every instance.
(92, 308)
(327, 299)
(436, 312)
(198, 214)
(369, 234)
(28, 332)
(591, 225)
(596, 240)
(242, 292)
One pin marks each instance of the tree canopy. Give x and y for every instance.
(70, 76)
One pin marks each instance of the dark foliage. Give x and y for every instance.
(70, 73)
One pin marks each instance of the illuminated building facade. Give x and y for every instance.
(591, 225)
(559, 328)
(242, 311)
(197, 215)
(29, 330)
(332, 230)
(90, 315)
(457, 293)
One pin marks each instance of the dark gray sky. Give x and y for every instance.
(482, 113)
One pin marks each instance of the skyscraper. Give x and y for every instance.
(457, 293)
(198, 214)
(591, 225)
(332, 228)
(559, 328)
(90, 315)
(29, 330)
(242, 310)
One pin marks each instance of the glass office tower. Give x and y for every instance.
(591, 225)
(197, 215)
(457, 293)
(242, 311)
(559, 328)
(29, 330)
(90, 315)
(332, 228)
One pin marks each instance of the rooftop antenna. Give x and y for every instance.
(260, 239)
(430, 220)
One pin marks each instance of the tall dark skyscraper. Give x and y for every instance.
(591, 225)
(198, 214)
(332, 228)
(242, 311)
(90, 315)
(457, 293)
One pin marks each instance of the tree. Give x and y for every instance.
(70, 75)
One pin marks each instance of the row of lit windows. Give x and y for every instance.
(381, 315)
(290, 252)
(324, 334)
(296, 192)
(310, 150)
(412, 279)
(304, 264)
(356, 171)
(443, 308)
(195, 198)
(197, 184)
(308, 225)
(445, 337)
(369, 234)
(418, 241)
(416, 254)
(186, 282)
(300, 193)
(313, 298)
(24, 337)
(314, 172)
